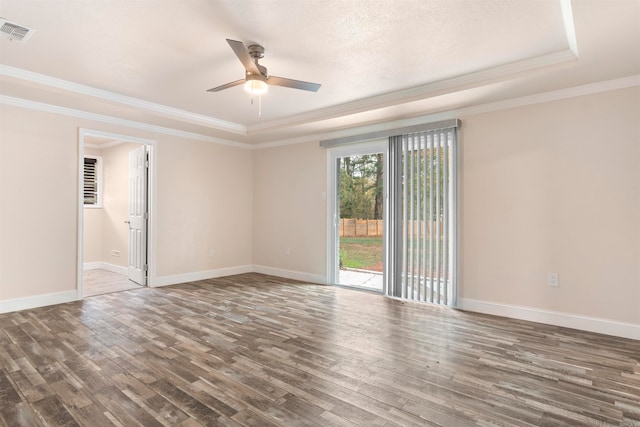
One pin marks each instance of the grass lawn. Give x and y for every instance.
(364, 253)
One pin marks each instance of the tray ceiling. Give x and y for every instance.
(153, 61)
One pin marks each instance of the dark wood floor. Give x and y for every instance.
(254, 350)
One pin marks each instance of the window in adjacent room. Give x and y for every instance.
(92, 181)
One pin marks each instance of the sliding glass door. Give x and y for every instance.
(357, 213)
(418, 171)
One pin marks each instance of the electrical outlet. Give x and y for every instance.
(211, 253)
(115, 252)
(287, 251)
(553, 280)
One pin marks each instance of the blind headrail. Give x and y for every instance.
(444, 124)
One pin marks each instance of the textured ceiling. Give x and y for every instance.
(152, 61)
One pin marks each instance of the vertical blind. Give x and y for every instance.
(90, 181)
(421, 216)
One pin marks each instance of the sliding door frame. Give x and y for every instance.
(333, 215)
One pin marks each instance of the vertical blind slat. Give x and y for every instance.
(411, 183)
(419, 217)
(431, 217)
(404, 216)
(445, 226)
(425, 213)
(439, 216)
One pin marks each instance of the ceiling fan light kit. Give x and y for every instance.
(256, 84)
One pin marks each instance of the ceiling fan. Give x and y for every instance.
(256, 79)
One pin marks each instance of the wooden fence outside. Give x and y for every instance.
(360, 227)
(373, 227)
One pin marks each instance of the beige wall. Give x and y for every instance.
(92, 240)
(104, 228)
(38, 203)
(289, 210)
(115, 203)
(203, 191)
(555, 187)
(205, 202)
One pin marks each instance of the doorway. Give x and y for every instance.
(115, 226)
(357, 184)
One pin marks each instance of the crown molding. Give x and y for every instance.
(588, 89)
(556, 95)
(174, 113)
(49, 108)
(429, 90)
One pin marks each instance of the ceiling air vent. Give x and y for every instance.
(15, 32)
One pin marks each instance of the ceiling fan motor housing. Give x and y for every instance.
(256, 51)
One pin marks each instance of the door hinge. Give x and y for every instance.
(146, 163)
(146, 215)
(145, 267)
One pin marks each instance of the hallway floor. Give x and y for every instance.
(98, 282)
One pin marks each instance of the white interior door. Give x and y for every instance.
(138, 166)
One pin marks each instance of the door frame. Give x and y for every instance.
(83, 133)
(333, 154)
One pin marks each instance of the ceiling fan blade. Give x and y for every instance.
(294, 84)
(243, 55)
(227, 86)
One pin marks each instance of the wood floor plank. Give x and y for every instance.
(19, 415)
(256, 350)
(53, 412)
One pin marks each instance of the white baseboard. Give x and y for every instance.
(91, 266)
(105, 266)
(199, 275)
(7, 306)
(290, 274)
(221, 272)
(585, 323)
